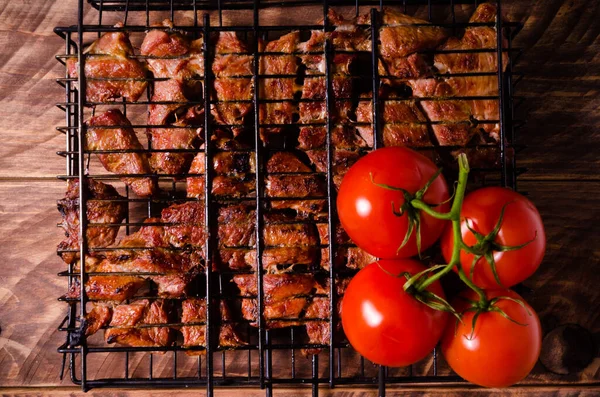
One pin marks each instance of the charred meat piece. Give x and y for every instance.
(98, 211)
(281, 162)
(173, 56)
(108, 288)
(295, 186)
(194, 311)
(281, 89)
(173, 129)
(401, 38)
(110, 71)
(285, 297)
(303, 209)
(290, 235)
(112, 131)
(403, 123)
(357, 258)
(127, 319)
(282, 259)
(229, 65)
(237, 226)
(171, 270)
(98, 317)
(342, 161)
(455, 117)
(188, 227)
(343, 136)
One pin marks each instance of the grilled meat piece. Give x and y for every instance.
(282, 259)
(112, 131)
(342, 161)
(228, 66)
(126, 320)
(281, 162)
(343, 136)
(403, 123)
(290, 235)
(110, 212)
(188, 227)
(194, 311)
(108, 288)
(180, 60)
(284, 297)
(281, 89)
(455, 116)
(237, 226)
(295, 186)
(401, 38)
(110, 71)
(98, 317)
(304, 209)
(357, 258)
(176, 269)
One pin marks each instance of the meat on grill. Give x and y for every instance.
(401, 39)
(194, 311)
(281, 89)
(112, 131)
(230, 63)
(108, 288)
(403, 123)
(127, 319)
(174, 57)
(285, 297)
(188, 227)
(97, 318)
(454, 117)
(98, 211)
(110, 70)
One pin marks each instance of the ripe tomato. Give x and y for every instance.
(521, 223)
(366, 210)
(386, 324)
(499, 352)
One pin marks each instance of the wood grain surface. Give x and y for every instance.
(561, 91)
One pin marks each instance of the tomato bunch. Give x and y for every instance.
(394, 204)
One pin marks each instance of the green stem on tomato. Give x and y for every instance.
(454, 216)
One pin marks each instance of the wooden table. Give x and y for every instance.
(562, 102)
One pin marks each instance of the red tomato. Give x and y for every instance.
(386, 324)
(499, 353)
(520, 224)
(365, 209)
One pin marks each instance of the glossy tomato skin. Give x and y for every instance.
(500, 352)
(365, 210)
(520, 223)
(385, 324)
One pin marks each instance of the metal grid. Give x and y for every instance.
(264, 343)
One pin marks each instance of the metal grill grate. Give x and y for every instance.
(342, 367)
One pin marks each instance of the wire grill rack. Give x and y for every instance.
(259, 363)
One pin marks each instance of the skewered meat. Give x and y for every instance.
(194, 311)
(126, 320)
(110, 212)
(457, 128)
(174, 57)
(403, 123)
(228, 66)
(110, 71)
(112, 131)
(401, 38)
(281, 89)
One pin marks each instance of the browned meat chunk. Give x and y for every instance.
(228, 66)
(281, 259)
(281, 162)
(173, 56)
(188, 227)
(311, 209)
(401, 38)
(127, 319)
(98, 317)
(110, 212)
(403, 123)
(112, 131)
(454, 117)
(357, 258)
(281, 89)
(110, 71)
(108, 288)
(237, 226)
(293, 186)
(284, 297)
(194, 311)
